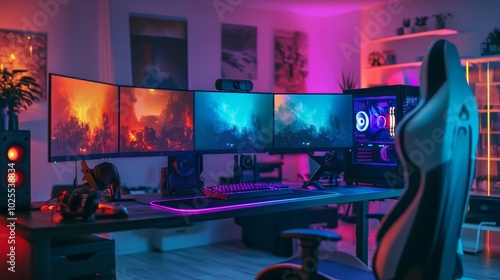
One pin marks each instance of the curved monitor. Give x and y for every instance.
(155, 122)
(233, 122)
(83, 119)
(312, 122)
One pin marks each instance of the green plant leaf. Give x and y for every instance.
(347, 81)
(18, 91)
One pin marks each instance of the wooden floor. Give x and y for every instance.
(232, 260)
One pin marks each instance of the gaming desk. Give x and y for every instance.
(37, 228)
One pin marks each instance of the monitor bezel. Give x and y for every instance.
(268, 149)
(152, 153)
(77, 157)
(295, 150)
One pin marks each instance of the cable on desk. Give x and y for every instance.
(136, 201)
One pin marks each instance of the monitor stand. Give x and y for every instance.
(116, 196)
(332, 162)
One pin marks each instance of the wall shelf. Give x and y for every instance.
(396, 66)
(437, 32)
(408, 65)
(485, 84)
(485, 158)
(485, 131)
(488, 111)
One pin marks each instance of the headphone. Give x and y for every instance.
(106, 174)
(80, 203)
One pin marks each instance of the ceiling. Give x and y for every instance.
(320, 8)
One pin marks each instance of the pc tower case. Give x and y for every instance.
(377, 111)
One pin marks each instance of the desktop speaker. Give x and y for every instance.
(15, 187)
(234, 85)
(182, 175)
(245, 169)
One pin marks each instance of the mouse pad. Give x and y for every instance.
(202, 204)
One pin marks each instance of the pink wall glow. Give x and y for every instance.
(77, 48)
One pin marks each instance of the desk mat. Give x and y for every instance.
(204, 204)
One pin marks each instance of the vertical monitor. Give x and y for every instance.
(233, 122)
(83, 119)
(312, 122)
(155, 122)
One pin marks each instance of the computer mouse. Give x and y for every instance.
(313, 185)
(111, 210)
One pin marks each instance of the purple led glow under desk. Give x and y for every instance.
(204, 204)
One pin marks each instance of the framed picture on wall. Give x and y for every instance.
(159, 52)
(239, 52)
(290, 61)
(21, 50)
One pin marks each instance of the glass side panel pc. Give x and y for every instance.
(83, 119)
(376, 113)
(233, 122)
(155, 122)
(312, 122)
(374, 130)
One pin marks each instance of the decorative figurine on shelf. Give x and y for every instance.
(405, 29)
(376, 59)
(441, 19)
(390, 57)
(420, 24)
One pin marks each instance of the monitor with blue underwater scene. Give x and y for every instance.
(312, 122)
(233, 122)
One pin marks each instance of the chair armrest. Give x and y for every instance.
(310, 240)
(377, 216)
(308, 233)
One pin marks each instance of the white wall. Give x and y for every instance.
(77, 48)
(72, 27)
(472, 19)
(72, 50)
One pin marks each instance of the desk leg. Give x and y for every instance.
(40, 259)
(361, 209)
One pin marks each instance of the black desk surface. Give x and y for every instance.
(37, 224)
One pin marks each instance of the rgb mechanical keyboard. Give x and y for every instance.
(246, 190)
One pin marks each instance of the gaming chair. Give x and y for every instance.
(420, 237)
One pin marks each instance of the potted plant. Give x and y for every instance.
(492, 43)
(406, 26)
(347, 82)
(17, 91)
(405, 29)
(441, 19)
(420, 24)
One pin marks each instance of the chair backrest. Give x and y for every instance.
(436, 143)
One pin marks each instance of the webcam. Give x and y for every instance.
(234, 85)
